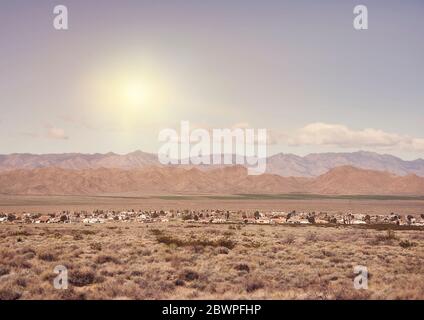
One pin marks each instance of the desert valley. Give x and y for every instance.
(133, 229)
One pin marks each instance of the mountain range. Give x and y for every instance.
(286, 165)
(345, 180)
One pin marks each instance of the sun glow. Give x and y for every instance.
(128, 93)
(131, 92)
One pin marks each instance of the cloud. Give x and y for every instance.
(56, 133)
(77, 122)
(324, 134)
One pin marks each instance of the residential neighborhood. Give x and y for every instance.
(214, 216)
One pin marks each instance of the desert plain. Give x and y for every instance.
(181, 260)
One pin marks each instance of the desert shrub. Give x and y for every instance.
(9, 293)
(96, 246)
(222, 250)
(407, 244)
(328, 253)
(336, 260)
(145, 252)
(168, 240)
(222, 242)
(390, 235)
(156, 232)
(179, 282)
(242, 267)
(254, 284)
(105, 259)
(4, 270)
(311, 236)
(21, 282)
(136, 273)
(21, 263)
(81, 278)
(198, 249)
(47, 256)
(290, 238)
(27, 250)
(387, 238)
(78, 237)
(189, 275)
(88, 232)
(227, 243)
(19, 233)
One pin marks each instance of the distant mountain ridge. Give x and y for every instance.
(286, 165)
(316, 164)
(344, 180)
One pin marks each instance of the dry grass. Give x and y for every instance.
(183, 261)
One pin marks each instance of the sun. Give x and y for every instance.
(133, 94)
(128, 94)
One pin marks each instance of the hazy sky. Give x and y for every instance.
(125, 69)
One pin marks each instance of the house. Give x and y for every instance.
(93, 220)
(218, 220)
(321, 221)
(356, 221)
(263, 221)
(43, 219)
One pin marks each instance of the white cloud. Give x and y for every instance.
(341, 136)
(56, 133)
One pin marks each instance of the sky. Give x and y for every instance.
(126, 69)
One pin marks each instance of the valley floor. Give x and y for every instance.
(287, 203)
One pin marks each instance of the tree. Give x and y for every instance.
(187, 217)
(257, 215)
(367, 219)
(333, 220)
